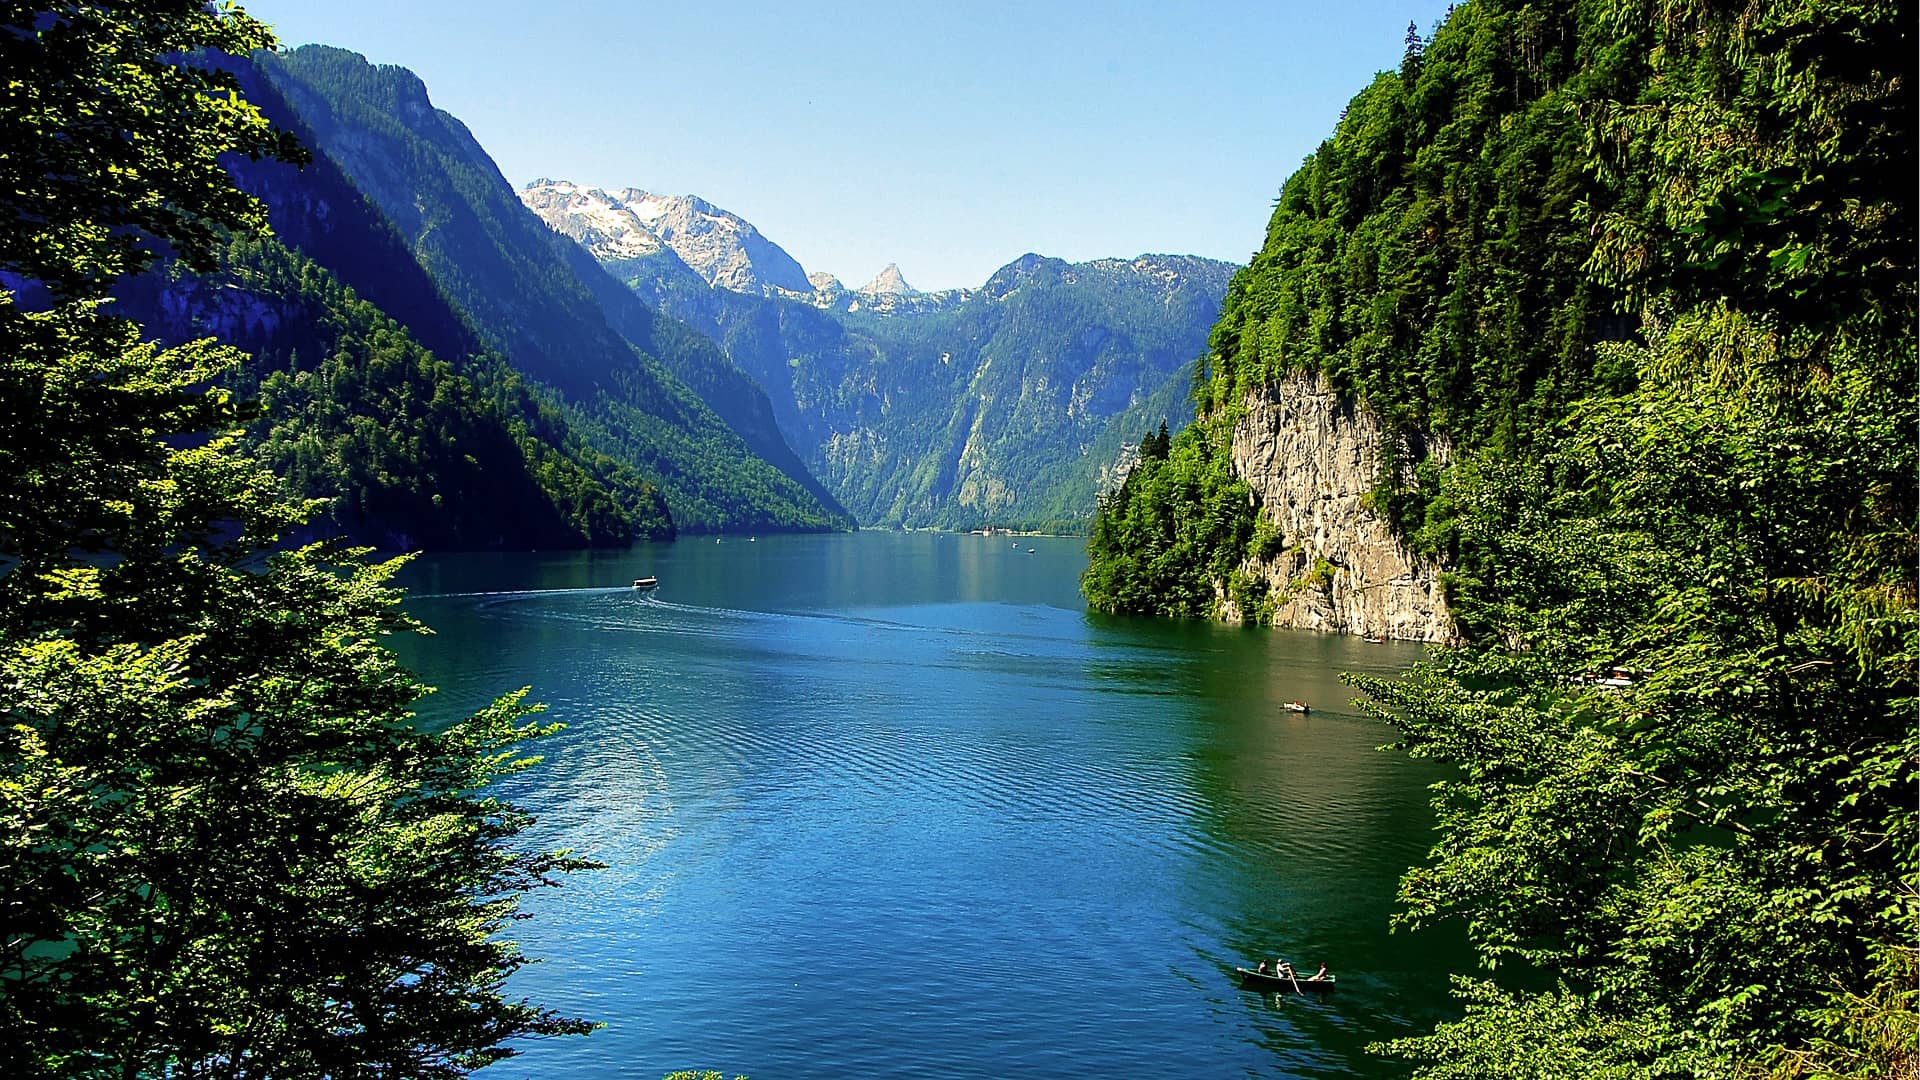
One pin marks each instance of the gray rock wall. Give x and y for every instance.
(1311, 457)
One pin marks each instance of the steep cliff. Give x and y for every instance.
(1311, 460)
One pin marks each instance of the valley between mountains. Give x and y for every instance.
(457, 365)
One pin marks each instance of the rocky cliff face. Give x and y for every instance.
(1311, 457)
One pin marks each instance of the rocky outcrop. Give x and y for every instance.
(889, 282)
(1311, 457)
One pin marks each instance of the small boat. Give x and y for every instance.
(645, 582)
(1030, 551)
(1255, 980)
(1295, 706)
(1372, 640)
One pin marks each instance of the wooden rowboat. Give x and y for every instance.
(1254, 980)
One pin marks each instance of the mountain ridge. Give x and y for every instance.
(957, 408)
(643, 380)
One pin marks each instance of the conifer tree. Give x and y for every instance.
(226, 847)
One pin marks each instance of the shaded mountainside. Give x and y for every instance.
(648, 391)
(1004, 405)
(377, 395)
(410, 451)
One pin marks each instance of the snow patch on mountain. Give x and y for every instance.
(603, 224)
(721, 247)
(724, 248)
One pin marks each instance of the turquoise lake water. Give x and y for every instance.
(886, 805)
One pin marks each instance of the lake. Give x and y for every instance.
(898, 805)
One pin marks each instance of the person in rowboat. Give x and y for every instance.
(1319, 975)
(1262, 969)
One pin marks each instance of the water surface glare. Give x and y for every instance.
(898, 805)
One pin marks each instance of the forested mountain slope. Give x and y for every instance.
(416, 435)
(995, 410)
(1647, 272)
(637, 379)
(411, 451)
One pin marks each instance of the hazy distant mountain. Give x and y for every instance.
(955, 408)
(1008, 405)
(650, 391)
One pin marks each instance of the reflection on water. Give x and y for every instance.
(897, 805)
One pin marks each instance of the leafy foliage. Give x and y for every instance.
(96, 106)
(1156, 540)
(225, 846)
(1718, 858)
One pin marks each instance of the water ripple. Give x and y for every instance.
(955, 837)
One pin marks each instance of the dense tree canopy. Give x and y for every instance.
(410, 451)
(1651, 266)
(225, 847)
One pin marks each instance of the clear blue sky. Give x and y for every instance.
(949, 138)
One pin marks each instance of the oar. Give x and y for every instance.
(1290, 978)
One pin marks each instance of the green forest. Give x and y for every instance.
(408, 451)
(1650, 269)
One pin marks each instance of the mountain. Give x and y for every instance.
(647, 390)
(889, 282)
(378, 394)
(609, 228)
(996, 409)
(409, 450)
(721, 248)
(953, 409)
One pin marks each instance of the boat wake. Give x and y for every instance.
(517, 594)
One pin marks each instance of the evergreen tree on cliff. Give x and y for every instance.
(225, 847)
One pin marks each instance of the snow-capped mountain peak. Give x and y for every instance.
(723, 248)
(604, 224)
